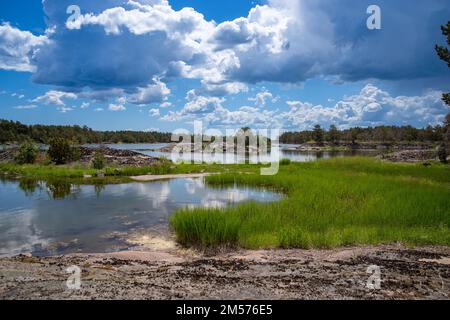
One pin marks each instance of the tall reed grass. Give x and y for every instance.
(328, 203)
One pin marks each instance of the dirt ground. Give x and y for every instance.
(173, 273)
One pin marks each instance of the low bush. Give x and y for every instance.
(99, 161)
(442, 153)
(61, 151)
(27, 154)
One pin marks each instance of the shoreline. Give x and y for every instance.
(177, 273)
(149, 178)
(398, 153)
(256, 225)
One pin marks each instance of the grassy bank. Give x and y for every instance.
(78, 172)
(329, 203)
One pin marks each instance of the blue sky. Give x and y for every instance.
(154, 64)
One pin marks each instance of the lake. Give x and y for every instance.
(61, 218)
(276, 154)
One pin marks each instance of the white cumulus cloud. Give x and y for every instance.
(371, 107)
(54, 97)
(116, 107)
(18, 47)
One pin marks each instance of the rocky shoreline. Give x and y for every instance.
(186, 147)
(394, 153)
(406, 152)
(112, 156)
(118, 157)
(370, 146)
(7, 155)
(410, 156)
(405, 273)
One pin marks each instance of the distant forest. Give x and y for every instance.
(383, 134)
(11, 131)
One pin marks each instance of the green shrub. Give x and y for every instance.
(76, 154)
(99, 161)
(442, 153)
(27, 153)
(285, 162)
(61, 151)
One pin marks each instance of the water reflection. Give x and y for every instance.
(56, 189)
(58, 217)
(221, 197)
(29, 186)
(283, 151)
(277, 153)
(19, 234)
(61, 189)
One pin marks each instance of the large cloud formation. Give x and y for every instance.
(134, 48)
(17, 48)
(212, 112)
(127, 44)
(291, 41)
(371, 107)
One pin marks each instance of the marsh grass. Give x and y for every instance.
(76, 171)
(51, 171)
(328, 203)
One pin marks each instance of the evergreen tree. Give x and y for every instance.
(447, 128)
(444, 54)
(318, 134)
(442, 153)
(16, 132)
(334, 135)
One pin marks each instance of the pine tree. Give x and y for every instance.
(318, 134)
(334, 135)
(444, 54)
(447, 128)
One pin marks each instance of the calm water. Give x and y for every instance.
(277, 153)
(62, 218)
(58, 218)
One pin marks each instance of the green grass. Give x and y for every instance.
(75, 173)
(328, 203)
(44, 171)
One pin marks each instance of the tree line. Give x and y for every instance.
(16, 132)
(381, 134)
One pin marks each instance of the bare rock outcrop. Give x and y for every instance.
(410, 156)
(119, 157)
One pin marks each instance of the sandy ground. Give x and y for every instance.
(164, 271)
